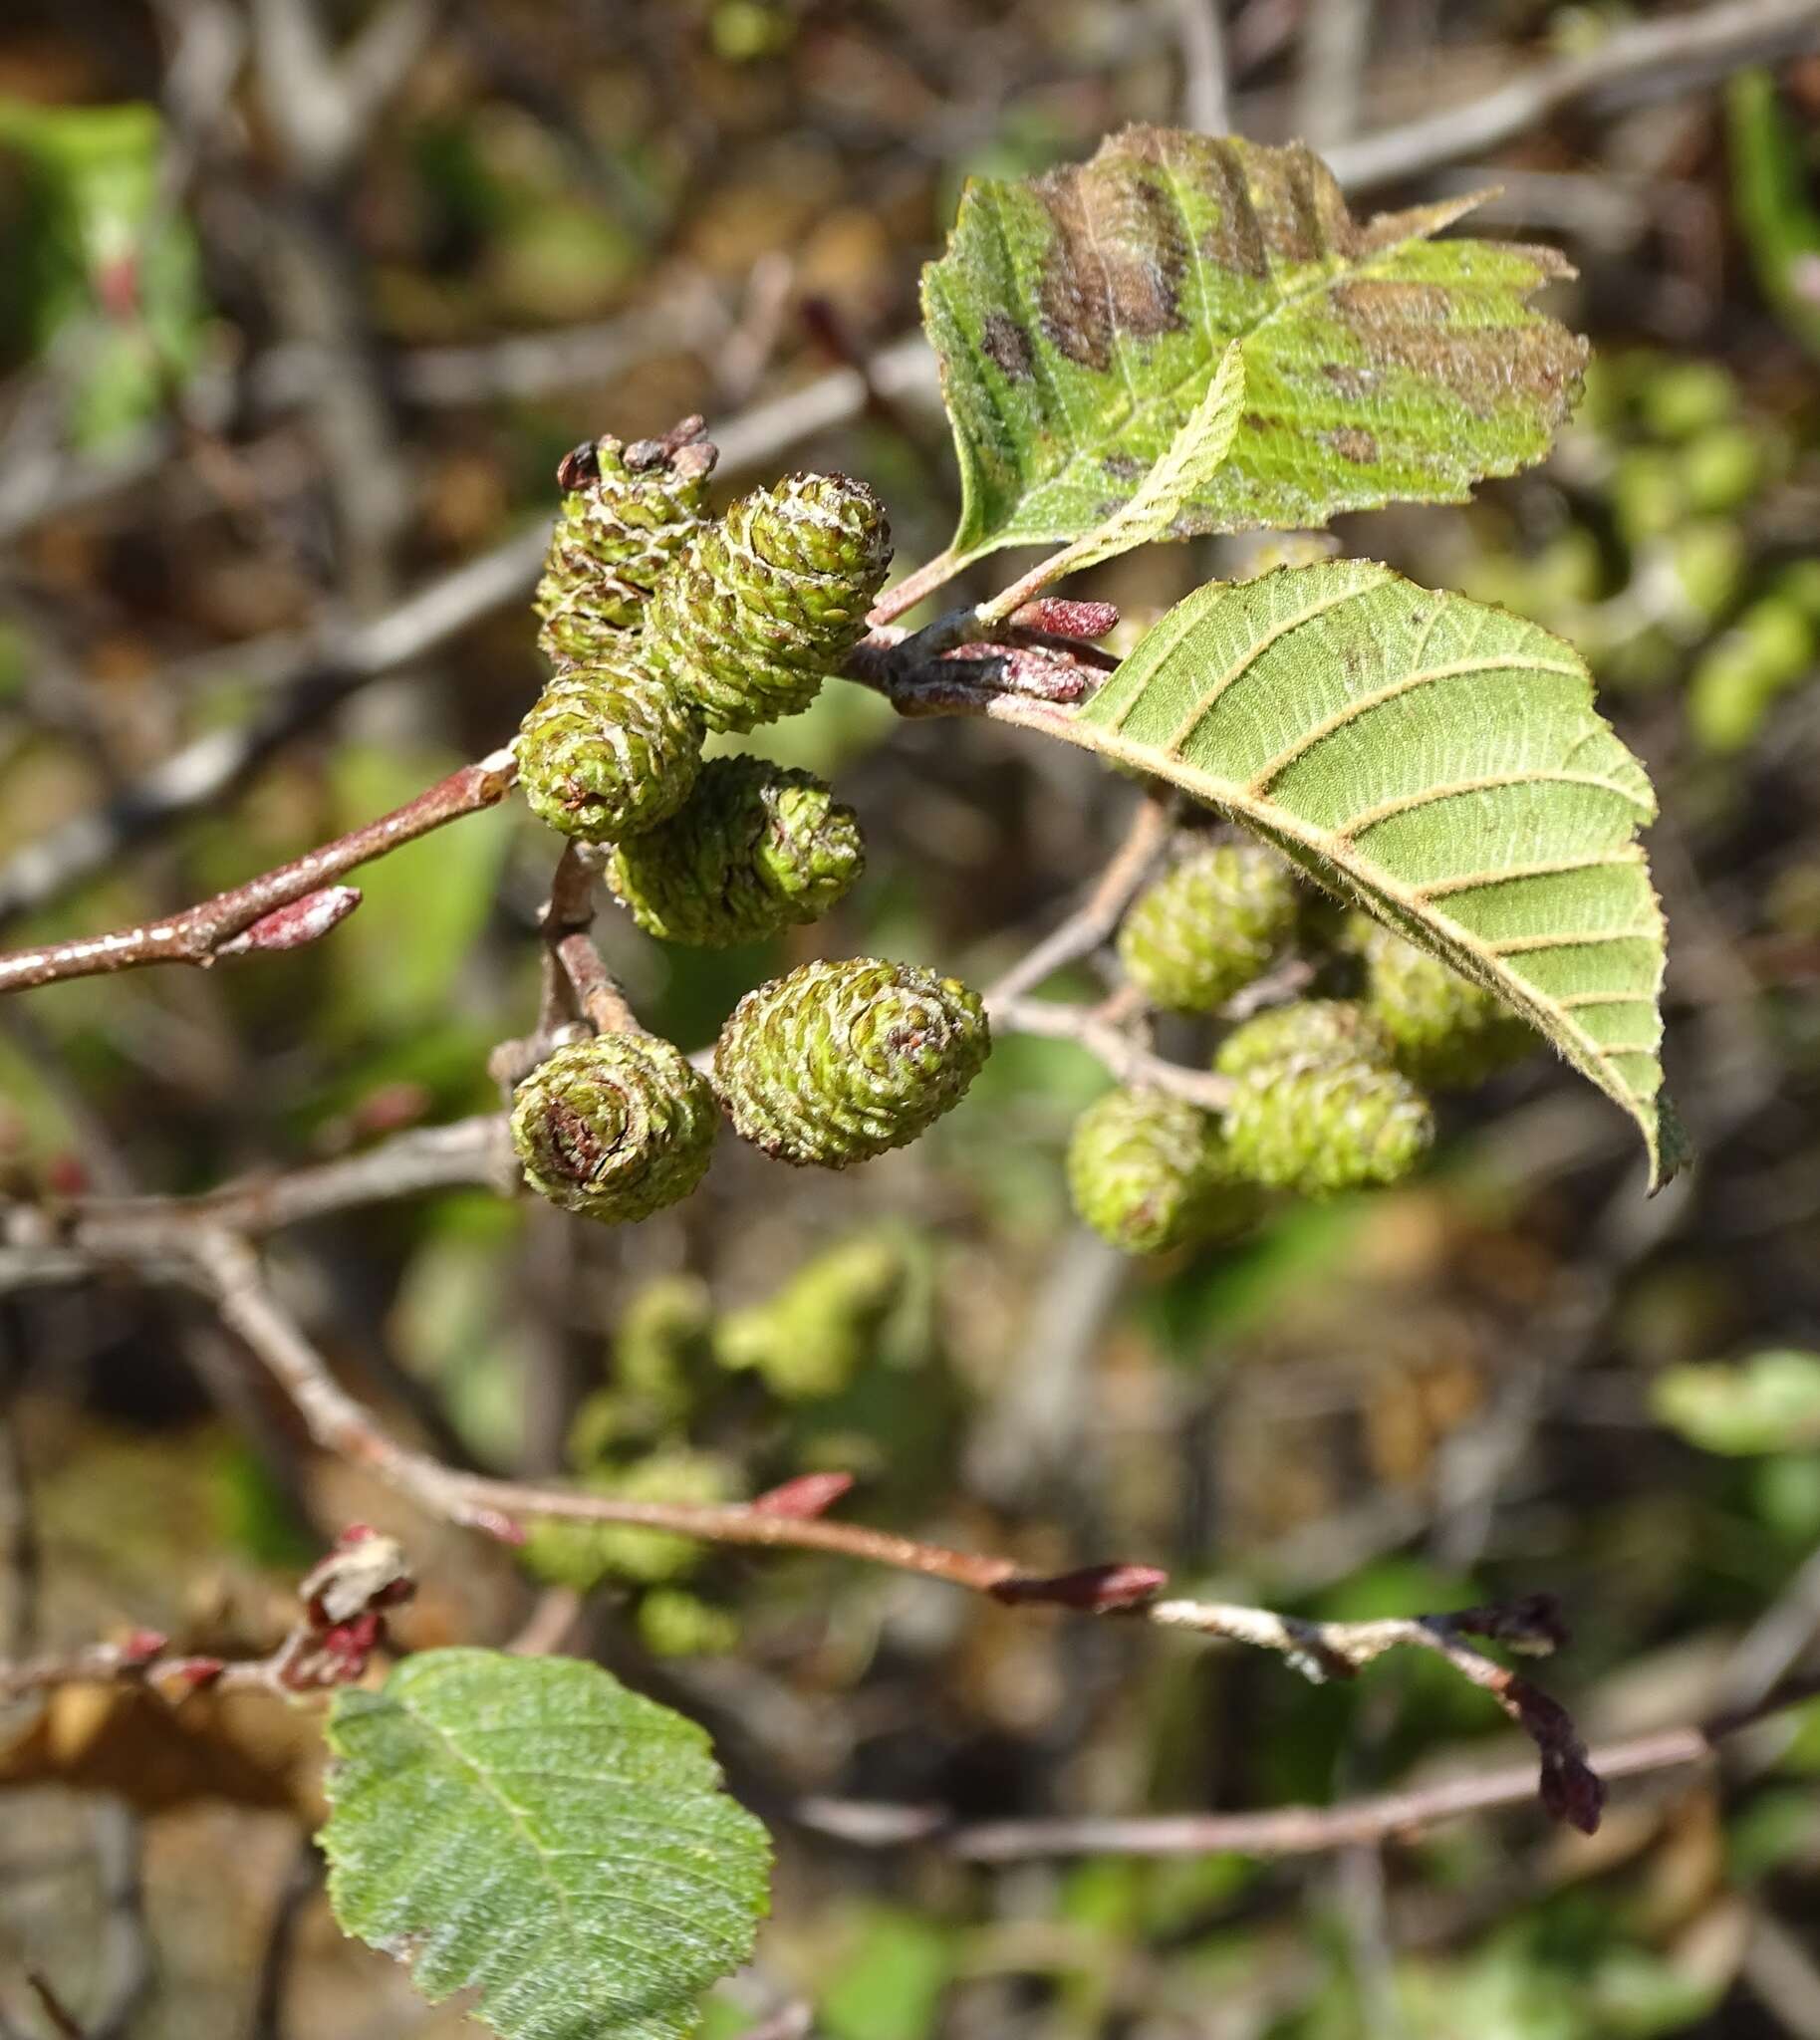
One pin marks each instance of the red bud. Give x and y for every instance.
(301, 922)
(1094, 1590)
(1057, 617)
(808, 1494)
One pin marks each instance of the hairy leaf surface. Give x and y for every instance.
(1438, 761)
(1080, 317)
(529, 1829)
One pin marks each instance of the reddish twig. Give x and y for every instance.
(344, 1597)
(792, 1520)
(280, 908)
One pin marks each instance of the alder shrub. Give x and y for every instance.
(1392, 845)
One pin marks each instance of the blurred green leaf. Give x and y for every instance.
(890, 1984)
(399, 957)
(1769, 1402)
(107, 284)
(1771, 196)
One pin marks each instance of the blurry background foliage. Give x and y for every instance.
(252, 394)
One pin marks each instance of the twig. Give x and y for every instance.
(344, 1600)
(567, 918)
(120, 1859)
(95, 1231)
(278, 910)
(1279, 1831)
(792, 1519)
(1093, 922)
(1125, 1056)
(1336, 37)
(301, 1878)
(1635, 63)
(1204, 62)
(313, 686)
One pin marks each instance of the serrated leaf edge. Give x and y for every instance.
(1415, 916)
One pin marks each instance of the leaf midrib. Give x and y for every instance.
(1270, 820)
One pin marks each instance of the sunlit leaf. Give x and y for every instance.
(1441, 763)
(1769, 1402)
(1081, 316)
(528, 1829)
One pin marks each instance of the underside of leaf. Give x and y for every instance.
(528, 1829)
(1441, 763)
(1080, 317)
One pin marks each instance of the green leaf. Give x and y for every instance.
(1770, 180)
(1080, 318)
(1163, 504)
(1438, 761)
(528, 1829)
(1769, 1402)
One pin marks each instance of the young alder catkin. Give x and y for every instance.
(627, 514)
(754, 848)
(1147, 1171)
(1317, 1106)
(763, 606)
(1443, 1028)
(1209, 926)
(836, 1062)
(615, 1128)
(607, 750)
(814, 1335)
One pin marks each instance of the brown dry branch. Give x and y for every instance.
(293, 903)
(1121, 1050)
(1284, 1830)
(1091, 925)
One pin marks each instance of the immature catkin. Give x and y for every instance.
(1209, 926)
(1317, 1106)
(755, 847)
(836, 1062)
(607, 750)
(1443, 1028)
(627, 514)
(814, 1335)
(1304, 1031)
(1149, 1170)
(763, 606)
(615, 1128)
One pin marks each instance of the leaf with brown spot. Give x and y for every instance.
(1081, 316)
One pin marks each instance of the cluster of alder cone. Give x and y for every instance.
(666, 623)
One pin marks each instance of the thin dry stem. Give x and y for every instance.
(209, 930)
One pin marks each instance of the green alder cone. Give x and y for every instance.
(1317, 1105)
(755, 847)
(1305, 1031)
(607, 750)
(1443, 1028)
(628, 513)
(1207, 928)
(764, 605)
(1147, 1171)
(615, 1128)
(838, 1062)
